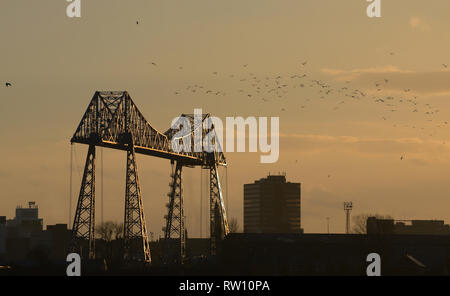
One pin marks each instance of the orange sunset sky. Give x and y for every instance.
(376, 90)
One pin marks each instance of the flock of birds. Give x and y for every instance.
(274, 88)
(277, 88)
(265, 89)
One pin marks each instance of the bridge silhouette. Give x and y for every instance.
(112, 120)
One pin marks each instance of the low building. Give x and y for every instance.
(26, 220)
(333, 254)
(60, 238)
(2, 236)
(413, 227)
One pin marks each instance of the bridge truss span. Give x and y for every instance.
(112, 120)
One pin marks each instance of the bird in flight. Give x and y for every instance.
(8, 84)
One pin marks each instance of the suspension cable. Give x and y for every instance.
(101, 182)
(70, 184)
(77, 163)
(201, 202)
(226, 187)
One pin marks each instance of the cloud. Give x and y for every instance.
(352, 139)
(419, 24)
(355, 73)
(433, 83)
(379, 69)
(320, 197)
(417, 150)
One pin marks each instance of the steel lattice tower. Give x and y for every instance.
(136, 244)
(83, 231)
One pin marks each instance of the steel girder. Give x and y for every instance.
(112, 115)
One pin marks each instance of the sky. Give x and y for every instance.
(379, 138)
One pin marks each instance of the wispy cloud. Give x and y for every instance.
(420, 150)
(424, 83)
(352, 74)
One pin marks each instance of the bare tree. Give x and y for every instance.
(360, 222)
(118, 230)
(105, 231)
(233, 225)
(110, 232)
